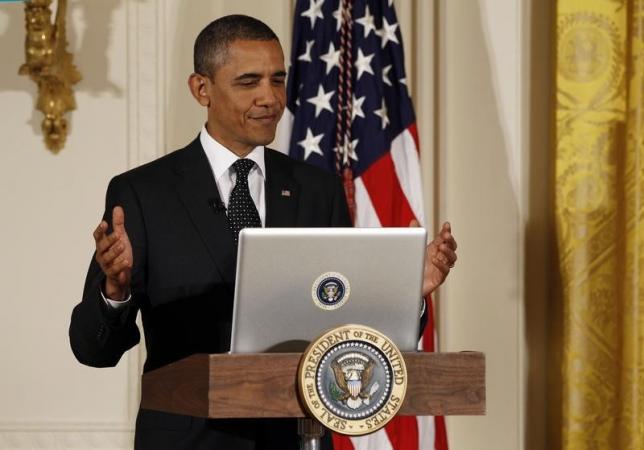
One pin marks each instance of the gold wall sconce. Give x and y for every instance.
(50, 65)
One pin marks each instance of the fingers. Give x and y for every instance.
(442, 250)
(118, 219)
(443, 267)
(109, 256)
(118, 268)
(100, 231)
(445, 236)
(106, 242)
(414, 223)
(443, 257)
(113, 251)
(447, 255)
(440, 257)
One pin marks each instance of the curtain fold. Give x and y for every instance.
(599, 213)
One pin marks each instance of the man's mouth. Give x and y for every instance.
(266, 119)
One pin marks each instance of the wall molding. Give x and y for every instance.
(66, 440)
(145, 92)
(146, 51)
(64, 426)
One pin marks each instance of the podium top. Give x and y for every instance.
(264, 385)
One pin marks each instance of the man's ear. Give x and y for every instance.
(198, 85)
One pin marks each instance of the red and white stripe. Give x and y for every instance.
(389, 194)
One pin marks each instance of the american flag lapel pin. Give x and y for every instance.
(286, 193)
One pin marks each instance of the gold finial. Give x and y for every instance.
(50, 65)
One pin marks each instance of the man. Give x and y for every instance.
(167, 242)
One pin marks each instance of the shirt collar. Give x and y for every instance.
(221, 158)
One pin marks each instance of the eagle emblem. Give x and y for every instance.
(352, 373)
(347, 376)
(330, 290)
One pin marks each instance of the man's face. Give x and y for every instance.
(247, 95)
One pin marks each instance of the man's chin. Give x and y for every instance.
(264, 139)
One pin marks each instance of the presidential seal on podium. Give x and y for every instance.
(352, 379)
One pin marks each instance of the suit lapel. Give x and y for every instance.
(282, 192)
(198, 193)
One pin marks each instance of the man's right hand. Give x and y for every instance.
(114, 255)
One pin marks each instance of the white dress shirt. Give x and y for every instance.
(221, 160)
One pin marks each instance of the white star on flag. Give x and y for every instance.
(388, 32)
(306, 56)
(352, 151)
(382, 113)
(297, 100)
(356, 107)
(367, 22)
(311, 144)
(337, 15)
(321, 101)
(363, 63)
(314, 12)
(385, 75)
(331, 58)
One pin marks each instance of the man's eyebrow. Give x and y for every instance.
(256, 76)
(248, 76)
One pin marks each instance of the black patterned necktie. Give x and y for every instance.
(242, 212)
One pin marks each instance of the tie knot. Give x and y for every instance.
(243, 166)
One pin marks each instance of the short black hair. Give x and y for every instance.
(211, 46)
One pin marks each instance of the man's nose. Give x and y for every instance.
(268, 94)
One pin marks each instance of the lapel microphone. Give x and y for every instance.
(218, 206)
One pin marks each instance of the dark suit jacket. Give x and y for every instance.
(183, 280)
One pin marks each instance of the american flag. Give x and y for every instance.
(349, 112)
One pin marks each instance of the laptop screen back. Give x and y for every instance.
(295, 283)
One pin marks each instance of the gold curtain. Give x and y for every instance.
(599, 176)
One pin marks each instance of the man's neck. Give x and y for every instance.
(240, 150)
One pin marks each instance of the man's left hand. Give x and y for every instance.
(440, 257)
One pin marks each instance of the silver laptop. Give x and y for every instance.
(295, 283)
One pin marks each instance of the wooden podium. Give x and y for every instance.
(264, 385)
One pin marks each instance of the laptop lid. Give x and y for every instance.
(295, 283)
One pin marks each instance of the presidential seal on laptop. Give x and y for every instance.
(330, 290)
(352, 379)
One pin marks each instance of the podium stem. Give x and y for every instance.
(310, 431)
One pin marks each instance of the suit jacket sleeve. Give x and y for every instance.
(98, 334)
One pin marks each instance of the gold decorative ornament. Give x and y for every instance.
(352, 380)
(50, 65)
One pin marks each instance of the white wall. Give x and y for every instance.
(493, 185)
(50, 205)
(474, 115)
(480, 111)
